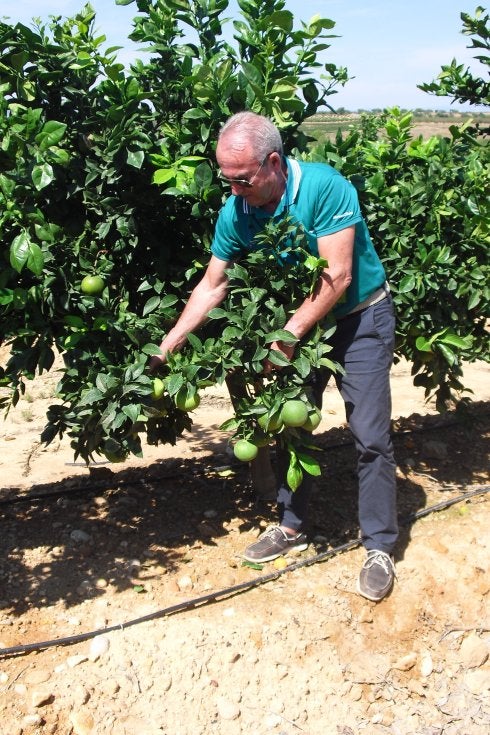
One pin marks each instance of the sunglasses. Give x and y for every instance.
(246, 183)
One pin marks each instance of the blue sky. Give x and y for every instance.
(388, 46)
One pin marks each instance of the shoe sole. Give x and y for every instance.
(271, 557)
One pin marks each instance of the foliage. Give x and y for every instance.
(457, 82)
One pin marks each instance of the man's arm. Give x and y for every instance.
(337, 249)
(209, 292)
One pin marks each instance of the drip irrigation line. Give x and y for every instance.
(218, 595)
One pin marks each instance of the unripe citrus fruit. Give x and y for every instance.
(313, 420)
(158, 389)
(115, 457)
(245, 451)
(92, 285)
(187, 403)
(272, 424)
(294, 413)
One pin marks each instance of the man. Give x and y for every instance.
(353, 287)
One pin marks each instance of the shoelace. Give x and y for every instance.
(274, 531)
(381, 558)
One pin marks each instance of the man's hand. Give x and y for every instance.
(156, 361)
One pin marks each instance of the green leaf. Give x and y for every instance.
(281, 335)
(152, 304)
(23, 252)
(151, 349)
(50, 135)
(135, 158)
(42, 175)
(407, 283)
(90, 396)
(132, 411)
(174, 384)
(252, 565)
(309, 464)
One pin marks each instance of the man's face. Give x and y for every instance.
(254, 180)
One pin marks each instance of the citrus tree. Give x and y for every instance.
(108, 194)
(427, 207)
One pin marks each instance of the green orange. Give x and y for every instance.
(294, 413)
(245, 451)
(92, 285)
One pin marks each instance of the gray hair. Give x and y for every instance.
(248, 127)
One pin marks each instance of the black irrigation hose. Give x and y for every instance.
(228, 591)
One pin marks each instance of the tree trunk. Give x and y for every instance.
(263, 478)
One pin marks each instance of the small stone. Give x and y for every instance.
(473, 652)
(41, 696)
(416, 687)
(32, 720)
(79, 536)
(37, 676)
(211, 513)
(356, 692)
(228, 710)
(478, 681)
(98, 647)
(73, 661)
(405, 663)
(426, 665)
(82, 722)
(272, 721)
(185, 583)
(101, 583)
(84, 588)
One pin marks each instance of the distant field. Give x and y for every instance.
(426, 124)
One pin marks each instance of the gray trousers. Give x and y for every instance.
(363, 344)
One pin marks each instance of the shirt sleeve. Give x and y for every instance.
(227, 243)
(336, 204)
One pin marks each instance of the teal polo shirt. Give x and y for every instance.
(324, 202)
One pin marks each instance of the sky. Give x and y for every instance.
(388, 46)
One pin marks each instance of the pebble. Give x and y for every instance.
(227, 710)
(478, 681)
(82, 722)
(98, 647)
(79, 536)
(32, 720)
(405, 663)
(37, 676)
(76, 660)
(185, 583)
(473, 652)
(426, 665)
(41, 696)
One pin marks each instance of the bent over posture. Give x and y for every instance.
(264, 184)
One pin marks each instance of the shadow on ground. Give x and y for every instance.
(60, 534)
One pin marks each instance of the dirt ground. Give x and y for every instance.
(124, 587)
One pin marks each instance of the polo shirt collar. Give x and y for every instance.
(290, 192)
